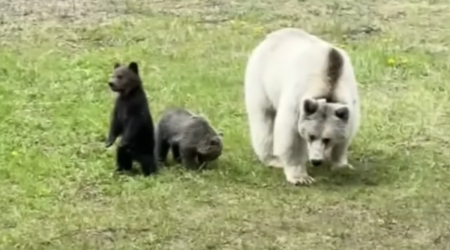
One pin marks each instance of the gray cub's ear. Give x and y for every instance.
(198, 117)
(342, 113)
(134, 67)
(310, 106)
(116, 65)
(215, 141)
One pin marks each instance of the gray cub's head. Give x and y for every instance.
(125, 78)
(210, 149)
(322, 125)
(210, 146)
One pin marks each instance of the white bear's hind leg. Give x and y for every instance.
(261, 131)
(260, 111)
(261, 117)
(275, 162)
(290, 148)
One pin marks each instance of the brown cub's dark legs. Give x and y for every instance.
(148, 163)
(124, 159)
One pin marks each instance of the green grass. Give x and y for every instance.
(57, 188)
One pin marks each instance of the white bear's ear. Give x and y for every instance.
(342, 113)
(310, 106)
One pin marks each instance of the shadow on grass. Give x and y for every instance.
(377, 168)
(135, 171)
(172, 163)
(372, 170)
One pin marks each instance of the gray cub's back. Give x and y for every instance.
(173, 122)
(180, 126)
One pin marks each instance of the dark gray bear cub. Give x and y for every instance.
(190, 137)
(131, 119)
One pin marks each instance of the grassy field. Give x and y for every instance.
(57, 188)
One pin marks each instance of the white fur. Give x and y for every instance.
(288, 66)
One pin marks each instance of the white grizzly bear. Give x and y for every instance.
(302, 103)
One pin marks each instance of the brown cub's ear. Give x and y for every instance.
(342, 113)
(116, 65)
(134, 67)
(310, 106)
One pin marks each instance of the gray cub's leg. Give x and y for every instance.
(176, 152)
(161, 149)
(339, 158)
(189, 158)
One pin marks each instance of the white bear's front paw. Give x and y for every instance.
(336, 167)
(275, 163)
(298, 176)
(301, 180)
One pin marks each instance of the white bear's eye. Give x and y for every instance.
(326, 141)
(312, 138)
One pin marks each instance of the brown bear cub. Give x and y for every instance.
(131, 119)
(190, 137)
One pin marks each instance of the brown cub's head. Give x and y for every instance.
(125, 78)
